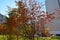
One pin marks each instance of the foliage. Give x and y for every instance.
(27, 21)
(39, 38)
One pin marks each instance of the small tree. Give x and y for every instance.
(24, 20)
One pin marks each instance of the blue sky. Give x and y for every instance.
(11, 3)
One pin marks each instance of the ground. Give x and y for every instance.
(36, 38)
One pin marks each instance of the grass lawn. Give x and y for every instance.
(36, 38)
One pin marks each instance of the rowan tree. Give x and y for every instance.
(28, 19)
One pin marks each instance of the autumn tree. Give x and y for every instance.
(24, 19)
(17, 19)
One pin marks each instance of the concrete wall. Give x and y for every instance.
(51, 5)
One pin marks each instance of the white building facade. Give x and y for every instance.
(51, 6)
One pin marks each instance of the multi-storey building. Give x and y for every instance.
(2, 18)
(51, 6)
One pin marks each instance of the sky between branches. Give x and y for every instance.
(12, 4)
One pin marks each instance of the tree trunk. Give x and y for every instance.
(42, 27)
